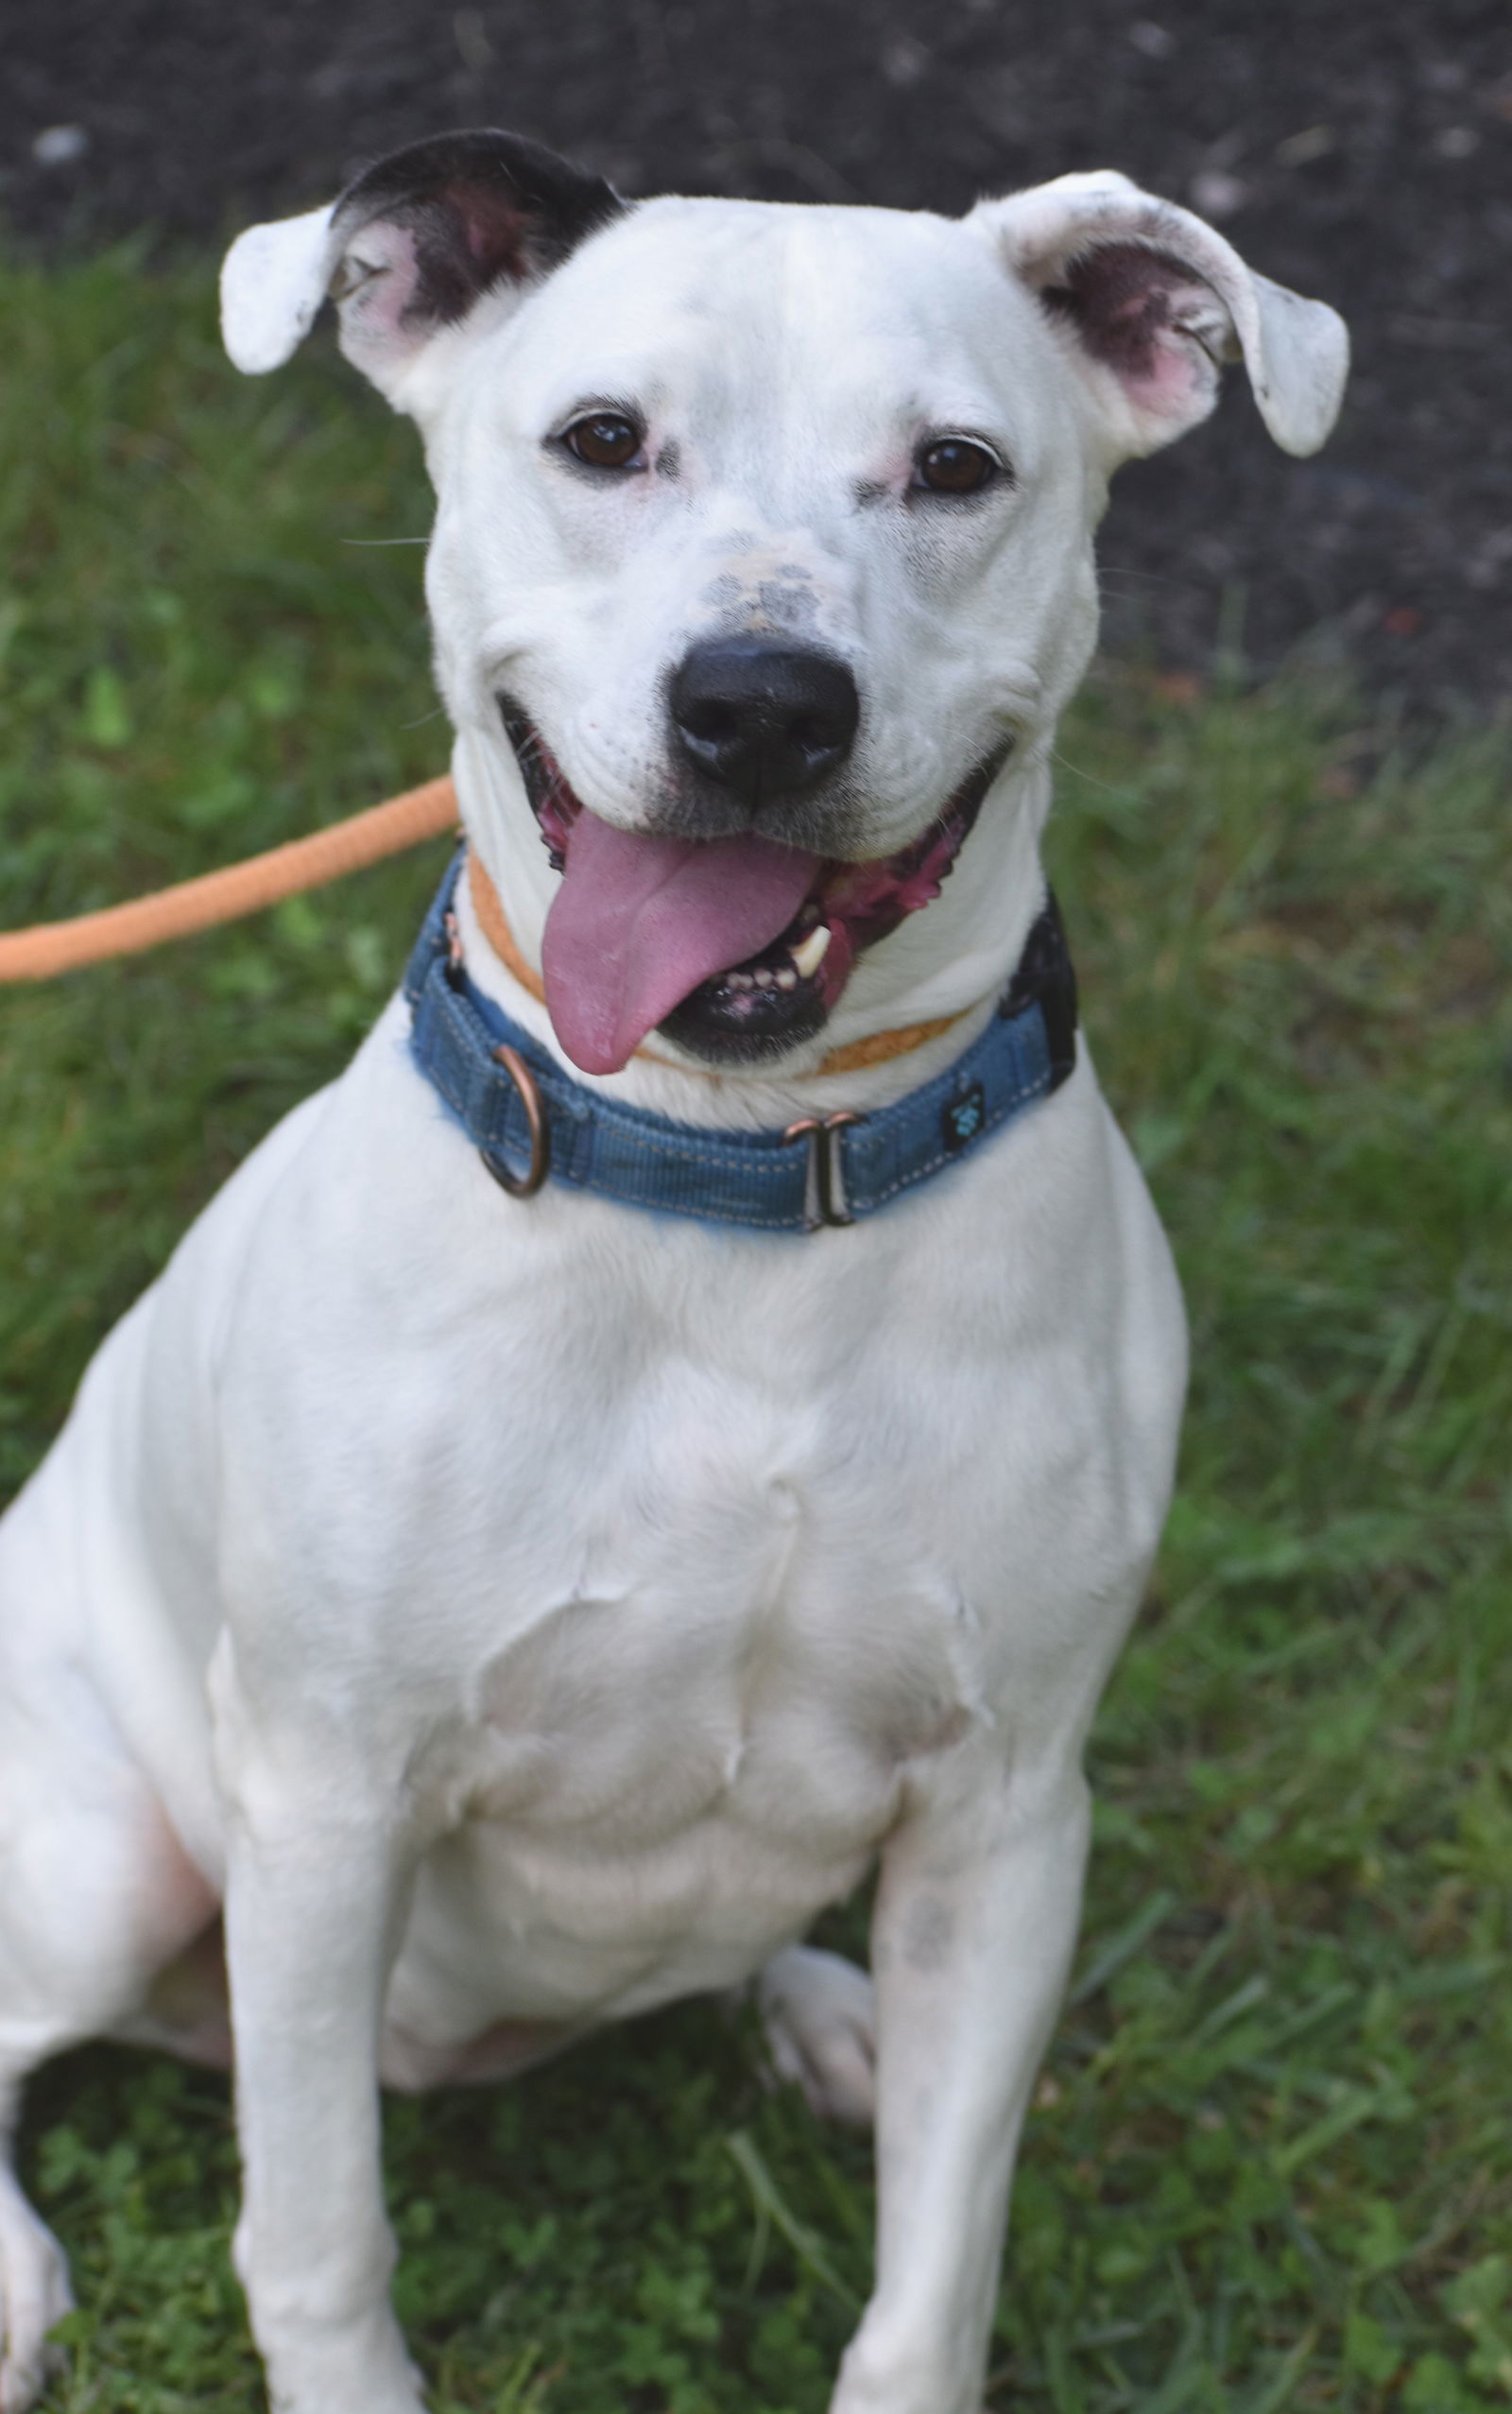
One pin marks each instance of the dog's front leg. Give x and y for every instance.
(313, 1897)
(973, 1938)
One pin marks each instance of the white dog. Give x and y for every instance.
(517, 1612)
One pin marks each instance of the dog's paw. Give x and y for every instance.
(355, 2366)
(820, 2019)
(34, 2294)
(904, 2377)
(338, 2383)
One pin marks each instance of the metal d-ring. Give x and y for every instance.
(526, 1185)
(826, 1173)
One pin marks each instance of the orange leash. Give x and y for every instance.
(241, 888)
(50, 948)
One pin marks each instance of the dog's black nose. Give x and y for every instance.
(766, 721)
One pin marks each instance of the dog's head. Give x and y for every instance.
(765, 533)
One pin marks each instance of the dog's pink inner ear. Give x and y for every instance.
(458, 245)
(1136, 310)
(495, 229)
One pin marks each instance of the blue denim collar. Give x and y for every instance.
(530, 1119)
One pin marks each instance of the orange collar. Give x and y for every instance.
(879, 1048)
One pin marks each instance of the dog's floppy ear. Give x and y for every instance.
(408, 249)
(1152, 303)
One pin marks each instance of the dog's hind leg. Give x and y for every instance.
(95, 1895)
(818, 2015)
(89, 1910)
(34, 2292)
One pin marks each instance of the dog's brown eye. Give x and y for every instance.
(956, 466)
(604, 439)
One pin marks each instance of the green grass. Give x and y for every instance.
(1271, 2164)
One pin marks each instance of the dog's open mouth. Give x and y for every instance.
(736, 948)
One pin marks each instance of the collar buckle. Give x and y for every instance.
(824, 1198)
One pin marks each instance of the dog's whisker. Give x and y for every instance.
(1079, 772)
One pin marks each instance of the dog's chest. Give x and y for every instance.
(753, 1625)
(703, 1725)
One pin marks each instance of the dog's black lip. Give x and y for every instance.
(772, 1023)
(522, 733)
(518, 724)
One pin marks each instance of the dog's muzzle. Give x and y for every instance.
(784, 955)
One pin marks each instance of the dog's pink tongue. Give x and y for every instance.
(639, 922)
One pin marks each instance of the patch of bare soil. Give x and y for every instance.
(1359, 153)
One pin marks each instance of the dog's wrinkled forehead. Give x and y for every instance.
(816, 330)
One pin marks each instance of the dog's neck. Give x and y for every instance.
(948, 962)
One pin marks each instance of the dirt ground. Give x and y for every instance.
(1361, 153)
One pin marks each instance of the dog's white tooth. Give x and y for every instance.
(810, 952)
(787, 978)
